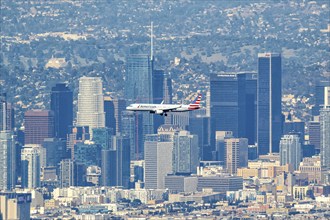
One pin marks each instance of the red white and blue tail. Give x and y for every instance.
(196, 103)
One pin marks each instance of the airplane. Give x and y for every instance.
(162, 109)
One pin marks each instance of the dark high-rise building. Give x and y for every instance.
(158, 95)
(113, 109)
(228, 103)
(313, 129)
(200, 126)
(120, 106)
(61, 103)
(39, 124)
(251, 107)
(269, 111)
(10, 117)
(121, 146)
(319, 96)
(55, 151)
(3, 110)
(109, 109)
(131, 122)
(115, 163)
(168, 97)
(87, 153)
(108, 168)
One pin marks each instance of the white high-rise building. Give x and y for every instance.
(290, 150)
(90, 103)
(7, 160)
(30, 157)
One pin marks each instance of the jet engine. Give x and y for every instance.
(159, 112)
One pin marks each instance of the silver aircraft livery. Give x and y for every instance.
(162, 109)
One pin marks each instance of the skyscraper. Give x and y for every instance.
(61, 103)
(55, 151)
(168, 96)
(290, 150)
(102, 137)
(269, 111)
(10, 116)
(3, 110)
(325, 136)
(130, 129)
(220, 146)
(119, 107)
(109, 110)
(236, 150)
(228, 103)
(313, 129)
(319, 96)
(185, 153)
(200, 126)
(7, 160)
(251, 107)
(158, 95)
(66, 173)
(121, 147)
(115, 164)
(158, 156)
(90, 103)
(39, 124)
(139, 70)
(87, 153)
(30, 157)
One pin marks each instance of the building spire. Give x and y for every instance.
(151, 42)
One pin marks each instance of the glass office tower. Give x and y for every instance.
(269, 111)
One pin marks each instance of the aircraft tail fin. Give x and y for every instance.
(196, 103)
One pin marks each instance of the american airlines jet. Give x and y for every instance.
(162, 109)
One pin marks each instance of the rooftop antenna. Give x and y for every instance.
(152, 42)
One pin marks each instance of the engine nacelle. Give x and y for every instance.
(159, 112)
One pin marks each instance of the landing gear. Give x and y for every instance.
(165, 114)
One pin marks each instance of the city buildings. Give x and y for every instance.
(15, 205)
(90, 103)
(269, 110)
(7, 160)
(61, 103)
(290, 150)
(39, 124)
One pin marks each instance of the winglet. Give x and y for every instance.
(162, 102)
